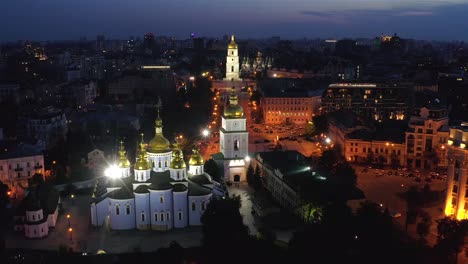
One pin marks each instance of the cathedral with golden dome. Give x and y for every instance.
(158, 192)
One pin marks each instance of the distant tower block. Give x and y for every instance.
(232, 61)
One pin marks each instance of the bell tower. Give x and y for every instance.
(232, 61)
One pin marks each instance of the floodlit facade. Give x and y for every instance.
(456, 204)
(232, 61)
(160, 192)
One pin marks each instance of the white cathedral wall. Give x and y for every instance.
(142, 208)
(180, 205)
(36, 231)
(178, 174)
(227, 143)
(142, 175)
(164, 158)
(34, 216)
(195, 208)
(99, 212)
(123, 220)
(195, 170)
(52, 218)
(162, 209)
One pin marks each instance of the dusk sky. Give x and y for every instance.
(72, 19)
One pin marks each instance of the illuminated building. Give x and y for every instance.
(255, 65)
(18, 165)
(374, 101)
(232, 61)
(426, 136)
(233, 141)
(288, 101)
(456, 204)
(159, 192)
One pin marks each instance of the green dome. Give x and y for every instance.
(196, 159)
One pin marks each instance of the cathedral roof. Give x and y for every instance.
(179, 187)
(197, 190)
(123, 160)
(121, 194)
(160, 181)
(201, 179)
(141, 161)
(178, 159)
(141, 189)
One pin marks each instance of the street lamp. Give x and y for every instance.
(205, 132)
(68, 218)
(70, 230)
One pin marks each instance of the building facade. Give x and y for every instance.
(427, 134)
(19, 165)
(456, 204)
(389, 101)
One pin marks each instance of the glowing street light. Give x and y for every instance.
(247, 158)
(68, 218)
(328, 140)
(205, 132)
(70, 230)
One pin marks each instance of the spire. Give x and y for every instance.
(233, 96)
(141, 159)
(158, 121)
(232, 44)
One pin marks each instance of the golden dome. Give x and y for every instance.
(123, 161)
(159, 143)
(233, 110)
(178, 159)
(141, 161)
(196, 159)
(232, 44)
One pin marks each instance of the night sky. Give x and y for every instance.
(72, 19)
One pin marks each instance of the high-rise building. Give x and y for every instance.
(456, 204)
(232, 61)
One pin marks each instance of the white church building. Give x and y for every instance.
(159, 193)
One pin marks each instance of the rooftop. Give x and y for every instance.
(291, 88)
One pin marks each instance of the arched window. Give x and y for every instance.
(232, 52)
(162, 217)
(178, 175)
(165, 163)
(117, 209)
(180, 216)
(168, 216)
(232, 68)
(159, 164)
(155, 217)
(127, 209)
(193, 206)
(143, 217)
(236, 144)
(161, 199)
(203, 205)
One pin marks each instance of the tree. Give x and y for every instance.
(257, 178)
(250, 175)
(310, 128)
(412, 205)
(344, 174)
(311, 213)
(424, 226)
(223, 228)
(213, 170)
(320, 123)
(451, 236)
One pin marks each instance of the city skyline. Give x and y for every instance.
(49, 20)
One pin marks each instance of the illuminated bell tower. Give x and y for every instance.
(232, 61)
(234, 140)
